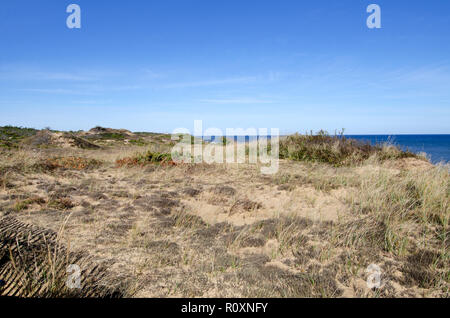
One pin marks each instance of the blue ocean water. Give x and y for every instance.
(437, 147)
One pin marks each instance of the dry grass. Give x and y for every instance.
(405, 215)
(76, 163)
(149, 157)
(192, 230)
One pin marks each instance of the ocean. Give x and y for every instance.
(437, 147)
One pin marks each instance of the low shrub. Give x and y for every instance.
(10, 136)
(146, 158)
(336, 150)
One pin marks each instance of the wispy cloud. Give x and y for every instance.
(52, 91)
(236, 101)
(83, 89)
(430, 74)
(59, 76)
(36, 73)
(213, 82)
(150, 74)
(24, 75)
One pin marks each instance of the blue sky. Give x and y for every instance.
(294, 65)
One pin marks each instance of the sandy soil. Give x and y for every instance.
(215, 230)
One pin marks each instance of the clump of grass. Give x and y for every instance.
(71, 163)
(187, 220)
(24, 204)
(336, 150)
(62, 204)
(5, 179)
(401, 214)
(17, 161)
(419, 195)
(245, 205)
(58, 203)
(146, 158)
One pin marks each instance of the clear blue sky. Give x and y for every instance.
(295, 65)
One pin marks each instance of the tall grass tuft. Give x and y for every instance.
(394, 208)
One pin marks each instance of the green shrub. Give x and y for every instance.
(138, 142)
(10, 136)
(336, 150)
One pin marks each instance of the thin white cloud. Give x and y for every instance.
(83, 90)
(60, 76)
(213, 82)
(52, 91)
(425, 75)
(236, 101)
(150, 74)
(44, 76)
(33, 73)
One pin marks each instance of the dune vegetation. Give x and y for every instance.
(335, 208)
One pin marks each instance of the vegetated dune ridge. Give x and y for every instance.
(226, 230)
